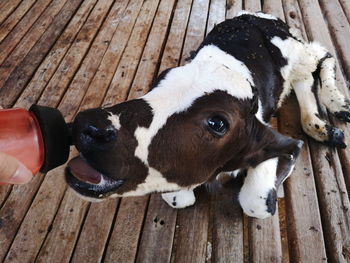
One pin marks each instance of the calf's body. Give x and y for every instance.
(210, 116)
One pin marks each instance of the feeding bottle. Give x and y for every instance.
(39, 138)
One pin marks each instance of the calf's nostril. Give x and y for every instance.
(102, 135)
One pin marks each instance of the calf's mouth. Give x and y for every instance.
(88, 181)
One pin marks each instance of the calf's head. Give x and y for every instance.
(198, 120)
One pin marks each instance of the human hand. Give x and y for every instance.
(12, 171)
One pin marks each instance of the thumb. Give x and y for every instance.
(12, 171)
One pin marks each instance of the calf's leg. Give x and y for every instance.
(311, 122)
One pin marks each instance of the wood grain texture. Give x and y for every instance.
(118, 23)
(21, 49)
(158, 232)
(233, 7)
(132, 57)
(328, 169)
(95, 231)
(60, 80)
(20, 74)
(11, 213)
(346, 7)
(217, 12)
(252, 5)
(11, 21)
(122, 245)
(227, 245)
(6, 7)
(52, 60)
(172, 50)
(265, 240)
(35, 226)
(196, 28)
(192, 231)
(340, 31)
(60, 241)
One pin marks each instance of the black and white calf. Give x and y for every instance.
(210, 116)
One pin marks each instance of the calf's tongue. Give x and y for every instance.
(83, 171)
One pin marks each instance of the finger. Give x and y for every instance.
(12, 171)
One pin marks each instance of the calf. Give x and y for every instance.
(211, 116)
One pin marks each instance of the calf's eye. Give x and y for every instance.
(218, 125)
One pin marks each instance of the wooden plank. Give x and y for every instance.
(22, 73)
(122, 245)
(147, 67)
(252, 5)
(59, 242)
(6, 8)
(192, 230)
(25, 45)
(14, 18)
(294, 17)
(233, 7)
(346, 7)
(122, 57)
(35, 226)
(8, 44)
(113, 38)
(227, 225)
(216, 13)
(265, 241)
(12, 213)
(274, 7)
(340, 30)
(4, 192)
(172, 51)
(196, 28)
(70, 63)
(158, 232)
(94, 233)
(303, 215)
(333, 196)
(52, 60)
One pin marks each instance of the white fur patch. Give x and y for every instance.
(257, 185)
(115, 120)
(302, 59)
(257, 14)
(180, 199)
(154, 182)
(259, 115)
(329, 93)
(211, 70)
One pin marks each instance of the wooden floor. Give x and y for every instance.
(78, 54)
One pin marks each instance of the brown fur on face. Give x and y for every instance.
(186, 139)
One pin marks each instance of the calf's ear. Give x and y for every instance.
(271, 144)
